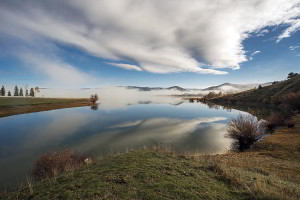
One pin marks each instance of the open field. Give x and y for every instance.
(21, 105)
(270, 170)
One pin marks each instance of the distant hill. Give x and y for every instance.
(229, 87)
(266, 94)
(177, 88)
(156, 88)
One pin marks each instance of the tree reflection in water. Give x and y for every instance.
(94, 106)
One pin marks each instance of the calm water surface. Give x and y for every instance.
(192, 127)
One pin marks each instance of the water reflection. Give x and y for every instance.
(199, 135)
(94, 106)
(192, 127)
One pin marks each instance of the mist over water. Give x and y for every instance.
(120, 97)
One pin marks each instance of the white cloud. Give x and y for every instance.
(292, 48)
(262, 32)
(255, 52)
(58, 72)
(159, 36)
(294, 26)
(126, 66)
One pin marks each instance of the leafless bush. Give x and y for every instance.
(277, 119)
(52, 163)
(244, 130)
(270, 127)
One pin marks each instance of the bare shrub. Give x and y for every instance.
(52, 163)
(292, 100)
(271, 127)
(291, 124)
(244, 130)
(277, 119)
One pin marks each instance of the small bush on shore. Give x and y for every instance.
(52, 163)
(94, 98)
(244, 130)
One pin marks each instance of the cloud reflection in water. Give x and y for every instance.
(201, 134)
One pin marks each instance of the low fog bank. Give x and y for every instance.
(114, 91)
(116, 97)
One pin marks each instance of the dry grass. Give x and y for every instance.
(53, 163)
(272, 167)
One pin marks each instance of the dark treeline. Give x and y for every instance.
(18, 92)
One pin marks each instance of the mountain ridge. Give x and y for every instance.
(225, 87)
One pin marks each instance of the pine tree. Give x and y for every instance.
(9, 94)
(16, 91)
(21, 92)
(2, 92)
(26, 93)
(32, 92)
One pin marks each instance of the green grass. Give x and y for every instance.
(21, 101)
(137, 175)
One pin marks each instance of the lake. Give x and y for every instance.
(188, 127)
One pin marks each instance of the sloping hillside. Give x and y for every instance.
(267, 94)
(229, 87)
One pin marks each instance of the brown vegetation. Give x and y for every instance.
(277, 119)
(54, 163)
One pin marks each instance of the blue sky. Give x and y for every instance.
(68, 44)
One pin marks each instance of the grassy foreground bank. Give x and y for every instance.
(21, 105)
(270, 170)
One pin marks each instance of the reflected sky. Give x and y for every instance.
(193, 127)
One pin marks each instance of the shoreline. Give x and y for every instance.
(22, 105)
